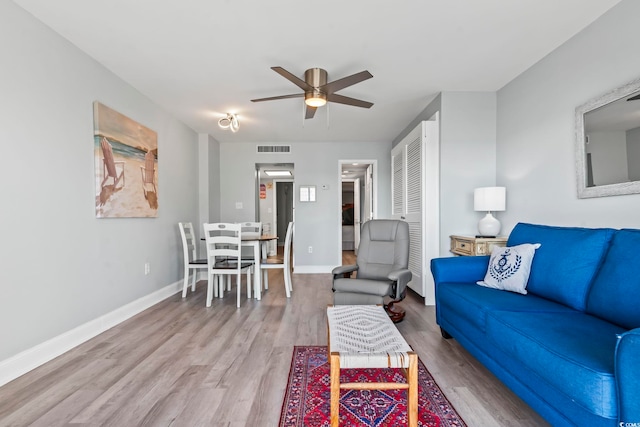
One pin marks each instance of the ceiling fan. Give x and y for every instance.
(317, 92)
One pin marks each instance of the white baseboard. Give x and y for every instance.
(29, 359)
(313, 269)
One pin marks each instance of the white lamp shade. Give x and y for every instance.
(489, 199)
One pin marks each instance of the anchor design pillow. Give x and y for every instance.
(509, 268)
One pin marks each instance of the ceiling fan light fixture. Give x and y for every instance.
(230, 121)
(315, 99)
(318, 92)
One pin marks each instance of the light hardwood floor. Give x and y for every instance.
(181, 364)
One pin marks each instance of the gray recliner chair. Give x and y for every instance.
(381, 268)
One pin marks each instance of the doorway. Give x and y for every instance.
(274, 200)
(284, 208)
(357, 203)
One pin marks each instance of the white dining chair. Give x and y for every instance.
(250, 228)
(285, 264)
(224, 255)
(254, 228)
(191, 261)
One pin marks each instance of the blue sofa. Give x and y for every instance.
(570, 348)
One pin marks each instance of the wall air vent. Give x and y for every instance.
(274, 148)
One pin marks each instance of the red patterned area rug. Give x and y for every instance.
(307, 398)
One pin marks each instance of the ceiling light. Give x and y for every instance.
(315, 98)
(230, 121)
(278, 173)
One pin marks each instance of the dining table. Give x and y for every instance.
(259, 244)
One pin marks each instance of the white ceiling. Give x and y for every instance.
(202, 58)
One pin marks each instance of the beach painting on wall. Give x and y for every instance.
(126, 163)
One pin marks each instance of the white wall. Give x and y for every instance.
(60, 266)
(535, 151)
(317, 224)
(467, 157)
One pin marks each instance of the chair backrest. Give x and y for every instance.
(107, 153)
(149, 168)
(253, 228)
(384, 247)
(223, 241)
(287, 243)
(189, 245)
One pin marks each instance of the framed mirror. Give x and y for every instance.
(608, 143)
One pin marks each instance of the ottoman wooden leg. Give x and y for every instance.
(335, 389)
(412, 392)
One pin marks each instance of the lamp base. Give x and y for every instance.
(488, 226)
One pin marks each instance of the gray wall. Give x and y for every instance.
(317, 224)
(60, 266)
(535, 151)
(208, 180)
(633, 154)
(608, 151)
(467, 160)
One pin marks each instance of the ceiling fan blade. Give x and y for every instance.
(336, 85)
(634, 98)
(348, 101)
(310, 112)
(292, 78)
(272, 98)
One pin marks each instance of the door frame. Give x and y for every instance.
(275, 201)
(374, 194)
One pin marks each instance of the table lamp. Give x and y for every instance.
(489, 199)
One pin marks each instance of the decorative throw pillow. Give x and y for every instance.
(509, 268)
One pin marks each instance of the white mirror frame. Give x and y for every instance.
(618, 189)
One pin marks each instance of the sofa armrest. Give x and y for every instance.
(463, 269)
(627, 370)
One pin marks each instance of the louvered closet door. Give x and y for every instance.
(397, 184)
(406, 163)
(413, 210)
(415, 188)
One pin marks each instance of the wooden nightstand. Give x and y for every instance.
(472, 246)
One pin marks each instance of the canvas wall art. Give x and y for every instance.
(126, 164)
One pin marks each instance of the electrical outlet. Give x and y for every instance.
(310, 249)
(147, 268)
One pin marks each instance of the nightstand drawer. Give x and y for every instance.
(472, 246)
(461, 246)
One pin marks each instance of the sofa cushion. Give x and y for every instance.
(615, 293)
(566, 263)
(573, 352)
(509, 268)
(472, 303)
